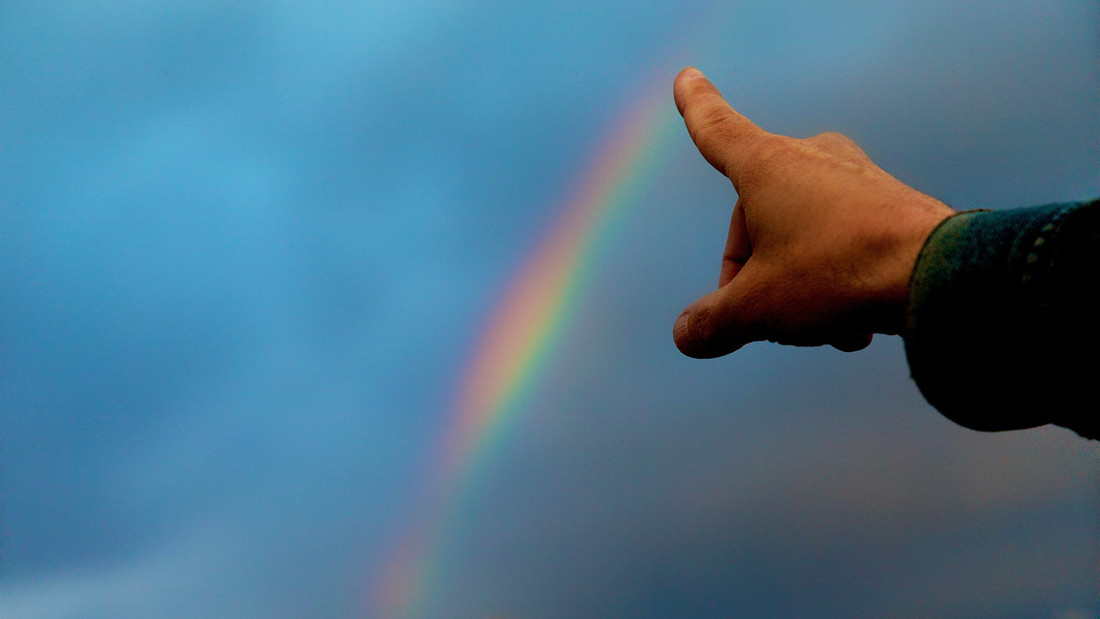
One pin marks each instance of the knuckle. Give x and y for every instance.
(769, 155)
(714, 116)
(711, 126)
(832, 137)
(773, 149)
(836, 144)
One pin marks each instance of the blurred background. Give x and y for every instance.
(249, 252)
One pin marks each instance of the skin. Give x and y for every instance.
(822, 241)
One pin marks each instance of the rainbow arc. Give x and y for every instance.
(518, 337)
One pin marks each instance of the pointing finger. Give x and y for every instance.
(724, 137)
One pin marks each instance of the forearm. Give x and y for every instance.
(1001, 327)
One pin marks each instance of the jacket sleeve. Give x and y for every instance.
(1002, 324)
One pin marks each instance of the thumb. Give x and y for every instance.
(718, 323)
(724, 137)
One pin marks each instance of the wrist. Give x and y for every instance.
(903, 251)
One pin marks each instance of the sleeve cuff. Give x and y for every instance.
(1000, 309)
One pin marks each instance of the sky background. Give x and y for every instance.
(249, 249)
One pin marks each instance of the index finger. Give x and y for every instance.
(725, 138)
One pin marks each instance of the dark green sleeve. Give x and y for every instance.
(1002, 326)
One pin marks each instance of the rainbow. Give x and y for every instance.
(519, 336)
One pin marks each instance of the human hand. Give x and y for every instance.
(821, 244)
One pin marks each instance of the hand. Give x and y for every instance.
(821, 244)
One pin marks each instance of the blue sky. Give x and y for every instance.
(246, 249)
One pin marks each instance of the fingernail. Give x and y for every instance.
(693, 73)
